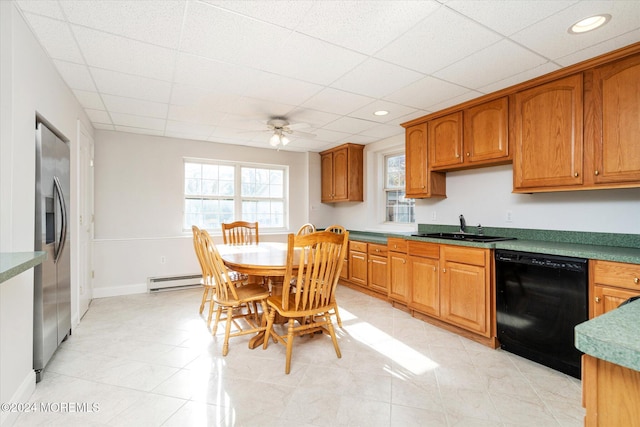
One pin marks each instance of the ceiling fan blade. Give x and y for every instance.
(299, 126)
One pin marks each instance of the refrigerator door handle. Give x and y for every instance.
(63, 209)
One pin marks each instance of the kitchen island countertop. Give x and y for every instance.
(14, 263)
(612, 336)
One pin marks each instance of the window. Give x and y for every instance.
(398, 208)
(217, 192)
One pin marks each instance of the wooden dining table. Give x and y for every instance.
(265, 259)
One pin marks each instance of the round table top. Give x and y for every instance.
(262, 259)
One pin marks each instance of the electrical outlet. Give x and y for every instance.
(162, 259)
(433, 216)
(509, 216)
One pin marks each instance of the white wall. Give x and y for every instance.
(484, 196)
(139, 197)
(28, 84)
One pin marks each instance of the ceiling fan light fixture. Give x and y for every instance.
(274, 140)
(589, 24)
(284, 140)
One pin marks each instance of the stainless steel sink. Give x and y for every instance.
(467, 237)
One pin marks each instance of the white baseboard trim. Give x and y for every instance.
(116, 291)
(22, 395)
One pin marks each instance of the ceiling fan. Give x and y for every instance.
(281, 128)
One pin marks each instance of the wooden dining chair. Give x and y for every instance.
(207, 280)
(235, 301)
(240, 233)
(307, 228)
(314, 262)
(338, 229)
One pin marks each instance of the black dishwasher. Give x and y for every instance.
(539, 300)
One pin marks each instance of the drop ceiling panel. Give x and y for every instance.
(57, 38)
(337, 101)
(443, 38)
(116, 53)
(160, 26)
(217, 70)
(363, 26)
(77, 76)
(376, 78)
(115, 83)
(515, 60)
(121, 104)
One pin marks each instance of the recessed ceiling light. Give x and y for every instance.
(381, 113)
(589, 24)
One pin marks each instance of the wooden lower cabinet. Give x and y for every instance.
(609, 394)
(398, 271)
(358, 263)
(377, 270)
(464, 287)
(453, 284)
(611, 283)
(367, 268)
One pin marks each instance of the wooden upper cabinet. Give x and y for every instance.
(612, 123)
(342, 170)
(548, 149)
(420, 181)
(486, 133)
(445, 140)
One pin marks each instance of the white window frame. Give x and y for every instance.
(237, 196)
(384, 156)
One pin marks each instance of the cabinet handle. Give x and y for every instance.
(597, 299)
(404, 261)
(468, 154)
(597, 173)
(457, 156)
(576, 174)
(434, 269)
(444, 270)
(636, 280)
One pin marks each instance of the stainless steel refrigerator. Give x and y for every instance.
(52, 279)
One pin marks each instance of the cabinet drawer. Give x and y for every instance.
(397, 245)
(464, 254)
(375, 249)
(357, 246)
(423, 249)
(616, 274)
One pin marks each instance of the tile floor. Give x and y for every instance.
(149, 360)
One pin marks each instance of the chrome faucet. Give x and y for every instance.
(463, 224)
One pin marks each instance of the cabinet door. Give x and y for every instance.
(425, 285)
(358, 267)
(344, 273)
(416, 161)
(486, 131)
(377, 273)
(425, 295)
(398, 276)
(445, 140)
(465, 299)
(606, 298)
(326, 170)
(341, 175)
(616, 121)
(548, 148)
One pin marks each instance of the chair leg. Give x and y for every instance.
(332, 332)
(211, 307)
(338, 319)
(271, 315)
(205, 294)
(227, 331)
(214, 330)
(287, 367)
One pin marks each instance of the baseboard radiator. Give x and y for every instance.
(172, 283)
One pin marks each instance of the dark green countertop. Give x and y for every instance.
(602, 246)
(14, 263)
(612, 336)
